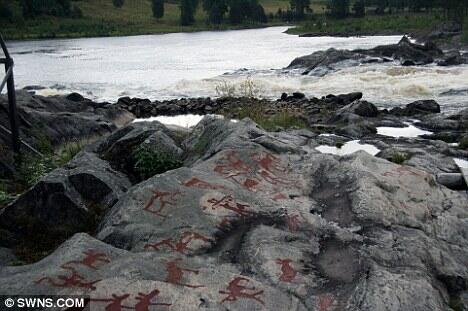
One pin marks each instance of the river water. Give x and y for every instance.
(214, 63)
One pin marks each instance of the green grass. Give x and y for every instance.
(390, 24)
(399, 158)
(281, 119)
(464, 143)
(101, 18)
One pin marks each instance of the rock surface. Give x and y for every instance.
(405, 52)
(58, 120)
(263, 221)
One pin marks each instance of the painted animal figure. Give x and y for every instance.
(90, 261)
(236, 290)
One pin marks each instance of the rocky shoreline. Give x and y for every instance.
(226, 215)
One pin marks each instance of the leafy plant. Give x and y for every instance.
(34, 168)
(149, 162)
(5, 197)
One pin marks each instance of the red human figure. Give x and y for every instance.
(232, 167)
(270, 163)
(74, 280)
(228, 202)
(325, 302)
(164, 199)
(288, 273)
(144, 301)
(115, 302)
(90, 261)
(181, 245)
(175, 273)
(236, 290)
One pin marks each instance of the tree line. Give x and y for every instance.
(453, 9)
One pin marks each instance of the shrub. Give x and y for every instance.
(34, 168)
(148, 162)
(6, 14)
(464, 143)
(399, 158)
(118, 3)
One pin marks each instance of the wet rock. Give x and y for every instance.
(405, 52)
(423, 106)
(452, 180)
(75, 97)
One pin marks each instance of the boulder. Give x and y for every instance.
(67, 200)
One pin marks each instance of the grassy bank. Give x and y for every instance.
(101, 18)
(386, 24)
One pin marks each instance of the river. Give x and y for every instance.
(207, 63)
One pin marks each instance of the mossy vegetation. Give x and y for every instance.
(282, 119)
(399, 158)
(149, 162)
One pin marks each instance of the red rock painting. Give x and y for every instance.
(201, 184)
(143, 304)
(164, 200)
(232, 166)
(91, 259)
(73, 280)
(268, 162)
(288, 273)
(403, 170)
(325, 302)
(182, 245)
(115, 303)
(144, 301)
(236, 290)
(280, 197)
(292, 221)
(175, 273)
(227, 202)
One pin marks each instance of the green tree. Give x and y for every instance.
(246, 10)
(158, 8)
(338, 8)
(216, 9)
(299, 7)
(118, 3)
(6, 14)
(187, 11)
(32, 8)
(359, 8)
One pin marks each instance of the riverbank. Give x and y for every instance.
(424, 26)
(102, 19)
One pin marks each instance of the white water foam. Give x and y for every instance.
(348, 148)
(461, 163)
(409, 131)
